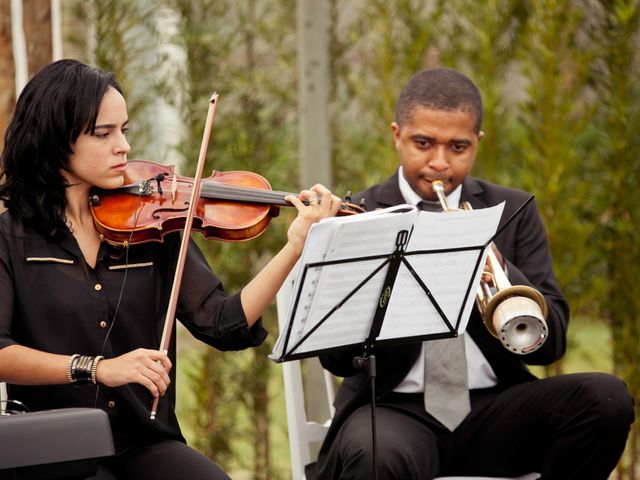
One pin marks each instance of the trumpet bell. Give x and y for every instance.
(516, 316)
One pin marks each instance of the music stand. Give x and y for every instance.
(290, 344)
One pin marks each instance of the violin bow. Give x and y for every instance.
(184, 246)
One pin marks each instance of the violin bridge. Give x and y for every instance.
(174, 188)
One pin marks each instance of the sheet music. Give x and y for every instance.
(443, 273)
(318, 290)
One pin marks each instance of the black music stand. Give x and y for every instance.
(393, 262)
(367, 360)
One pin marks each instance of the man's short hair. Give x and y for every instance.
(440, 89)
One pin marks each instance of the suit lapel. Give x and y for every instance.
(388, 195)
(473, 193)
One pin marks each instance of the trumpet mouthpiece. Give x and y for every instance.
(438, 187)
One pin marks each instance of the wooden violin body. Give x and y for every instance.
(233, 206)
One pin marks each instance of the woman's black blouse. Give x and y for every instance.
(52, 300)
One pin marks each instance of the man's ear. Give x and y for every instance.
(480, 135)
(396, 133)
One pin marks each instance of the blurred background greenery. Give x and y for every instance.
(560, 84)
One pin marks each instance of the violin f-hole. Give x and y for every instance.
(162, 210)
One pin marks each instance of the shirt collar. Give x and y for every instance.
(412, 198)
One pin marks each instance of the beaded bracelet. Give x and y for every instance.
(70, 366)
(94, 368)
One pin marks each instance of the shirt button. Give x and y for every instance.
(111, 404)
(98, 287)
(103, 324)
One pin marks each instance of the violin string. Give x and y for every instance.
(232, 192)
(250, 194)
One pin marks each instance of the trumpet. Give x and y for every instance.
(514, 314)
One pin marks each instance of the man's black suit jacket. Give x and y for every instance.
(523, 244)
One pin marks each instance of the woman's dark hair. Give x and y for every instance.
(58, 104)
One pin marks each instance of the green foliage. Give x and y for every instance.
(122, 39)
(618, 154)
(215, 423)
(557, 58)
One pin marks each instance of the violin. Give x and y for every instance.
(233, 206)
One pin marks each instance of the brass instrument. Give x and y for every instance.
(516, 315)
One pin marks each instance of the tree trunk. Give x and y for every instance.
(7, 70)
(37, 31)
(7, 74)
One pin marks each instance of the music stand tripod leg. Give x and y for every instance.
(368, 362)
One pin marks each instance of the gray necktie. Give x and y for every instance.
(446, 388)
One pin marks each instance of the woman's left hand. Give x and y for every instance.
(322, 204)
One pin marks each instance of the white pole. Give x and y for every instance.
(3, 398)
(313, 61)
(56, 30)
(19, 46)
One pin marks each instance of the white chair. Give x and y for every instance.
(305, 435)
(3, 397)
(308, 423)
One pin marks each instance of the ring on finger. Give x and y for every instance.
(313, 201)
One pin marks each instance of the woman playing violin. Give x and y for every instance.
(80, 319)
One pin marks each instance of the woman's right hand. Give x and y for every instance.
(149, 368)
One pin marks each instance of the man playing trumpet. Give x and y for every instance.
(494, 417)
